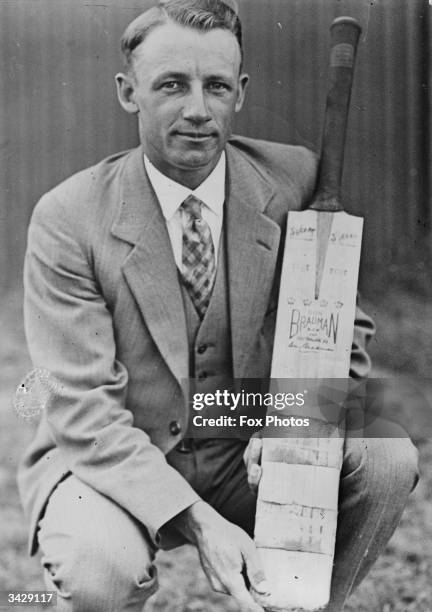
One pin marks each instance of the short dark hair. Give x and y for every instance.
(202, 15)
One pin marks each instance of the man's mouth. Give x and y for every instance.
(198, 136)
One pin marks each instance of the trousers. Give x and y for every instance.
(100, 559)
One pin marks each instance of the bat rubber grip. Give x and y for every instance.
(345, 33)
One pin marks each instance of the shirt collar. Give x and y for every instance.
(171, 194)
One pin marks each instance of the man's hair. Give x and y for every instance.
(201, 15)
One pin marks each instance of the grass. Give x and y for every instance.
(399, 299)
(401, 580)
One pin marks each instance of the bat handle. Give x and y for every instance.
(345, 33)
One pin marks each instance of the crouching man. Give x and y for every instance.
(153, 267)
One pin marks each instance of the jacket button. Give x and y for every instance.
(175, 428)
(202, 348)
(202, 375)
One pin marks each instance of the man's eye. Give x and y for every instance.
(218, 86)
(171, 85)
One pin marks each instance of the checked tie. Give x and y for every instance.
(198, 257)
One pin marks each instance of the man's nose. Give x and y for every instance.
(195, 107)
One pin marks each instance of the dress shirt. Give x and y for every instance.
(171, 195)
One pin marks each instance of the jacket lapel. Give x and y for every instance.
(252, 245)
(150, 269)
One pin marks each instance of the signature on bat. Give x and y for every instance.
(302, 232)
(344, 238)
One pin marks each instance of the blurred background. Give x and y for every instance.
(59, 114)
(59, 111)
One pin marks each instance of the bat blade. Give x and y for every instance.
(317, 298)
(296, 516)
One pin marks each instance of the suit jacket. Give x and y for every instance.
(104, 314)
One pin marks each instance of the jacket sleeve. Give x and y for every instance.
(364, 330)
(70, 333)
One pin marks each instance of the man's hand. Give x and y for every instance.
(225, 551)
(252, 459)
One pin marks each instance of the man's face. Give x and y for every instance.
(186, 87)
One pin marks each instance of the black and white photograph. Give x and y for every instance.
(216, 305)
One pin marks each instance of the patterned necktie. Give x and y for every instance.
(198, 256)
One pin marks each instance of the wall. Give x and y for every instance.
(59, 111)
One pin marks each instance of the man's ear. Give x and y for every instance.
(126, 92)
(243, 81)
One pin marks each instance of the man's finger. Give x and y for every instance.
(254, 476)
(246, 455)
(254, 454)
(216, 584)
(240, 593)
(255, 570)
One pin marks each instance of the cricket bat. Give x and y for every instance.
(297, 501)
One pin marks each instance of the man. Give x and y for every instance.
(157, 266)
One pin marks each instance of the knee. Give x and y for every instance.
(404, 463)
(95, 555)
(97, 578)
(384, 463)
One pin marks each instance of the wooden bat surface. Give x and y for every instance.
(297, 502)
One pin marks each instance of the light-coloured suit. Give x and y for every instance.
(104, 314)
